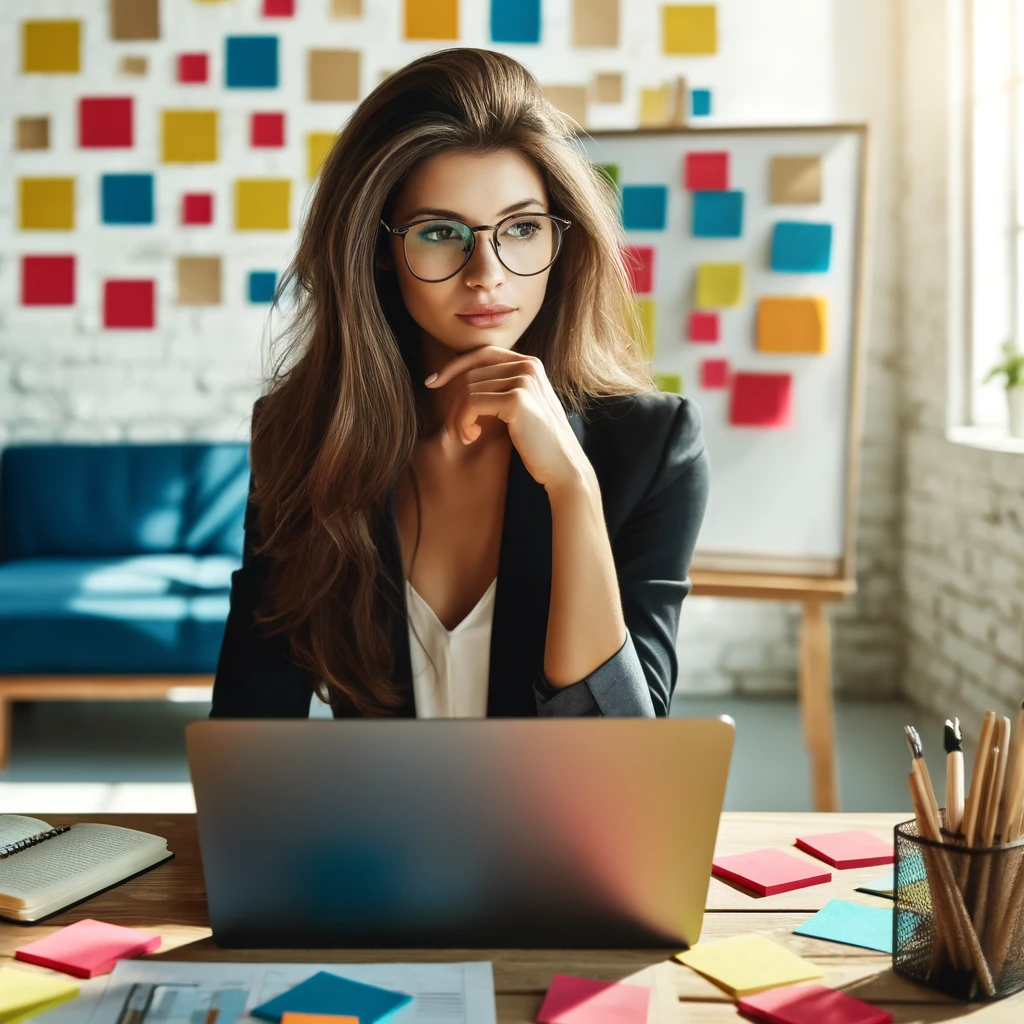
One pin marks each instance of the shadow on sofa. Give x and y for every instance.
(115, 568)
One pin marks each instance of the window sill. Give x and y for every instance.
(993, 439)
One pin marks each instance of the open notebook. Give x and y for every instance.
(45, 868)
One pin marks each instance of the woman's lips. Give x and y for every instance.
(485, 319)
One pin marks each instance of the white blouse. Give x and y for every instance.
(458, 688)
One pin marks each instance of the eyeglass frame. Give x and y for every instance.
(403, 229)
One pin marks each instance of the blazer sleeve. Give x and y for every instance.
(255, 677)
(652, 552)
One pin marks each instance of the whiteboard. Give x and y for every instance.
(781, 499)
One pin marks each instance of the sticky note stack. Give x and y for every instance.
(572, 1000)
(748, 963)
(851, 924)
(331, 995)
(24, 994)
(811, 1004)
(87, 948)
(768, 871)
(854, 849)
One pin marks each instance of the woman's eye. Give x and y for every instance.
(440, 233)
(523, 229)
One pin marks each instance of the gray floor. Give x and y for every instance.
(130, 756)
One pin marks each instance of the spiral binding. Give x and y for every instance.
(24, 844)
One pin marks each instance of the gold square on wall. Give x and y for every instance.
(796, 179)
(188, 136)
(134, 66)
(570, 99)
(347, 8)
(608, 87)
(46, 204)
(32, 133)
(334, 75)
(199, 280)
(134, 19)
(51, 47)
(595, 23)
(262, 204)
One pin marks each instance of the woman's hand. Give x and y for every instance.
(514, 387)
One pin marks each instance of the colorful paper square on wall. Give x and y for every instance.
(762, 400)
(704, 327)
(129, 303)
(796, 179)
(644, 207)
(188, 136)
(689, 28)
(595, 22)
(792, 324)
(639, 260)
(127, 198)
(610, 172)
(515, 21)
(719, 284)
(647, 311)
(431, 19)
(47, 280)
(717, 214)
(278, 8)
(261, 285)
(801, 248)
(318, 145)
(714, 374)
(250, 62)
(134, 19)
(334, 75)
(51, 47)
(46, 204)
(672, 382)
(197, 208)
(105, 121)
(193, 68)
(138, 67)
(267, 130)
(198, 280)
(706, 172)
(700, 102)
(32, 133)
(262, 204)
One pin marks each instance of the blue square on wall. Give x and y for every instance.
(251, 62)
(515, 21)
(644, 207)
(801, 248)
(126, 198)
(700, 102)
(261, 285)
(717, 214)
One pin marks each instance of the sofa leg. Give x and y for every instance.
(5, 733)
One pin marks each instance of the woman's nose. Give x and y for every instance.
(484, 268)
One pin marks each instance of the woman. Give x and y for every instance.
(468, 496)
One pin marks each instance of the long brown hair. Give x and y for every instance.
(340, 418)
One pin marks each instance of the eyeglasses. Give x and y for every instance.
(525, 243)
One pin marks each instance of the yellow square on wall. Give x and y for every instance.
(646, 309)
(51, 46)
(796, 323)
(46, 204)
(318, 145)
(188, 136)
(431, 19)
(689, 28)
(262, 204)
(719, 284)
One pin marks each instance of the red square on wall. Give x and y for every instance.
(47, 280)
(105, 121)
(197, 208)
(193, 67)
(267, 130)
(704, 327)
(762, 400)
(714, 374)
(128, 303)
(278, 8)
(639, 260)
(706, 172)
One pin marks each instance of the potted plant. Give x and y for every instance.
(1012, 368)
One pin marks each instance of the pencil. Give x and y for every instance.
(954, 776)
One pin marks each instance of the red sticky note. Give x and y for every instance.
(105, 121)
(47, 280)
(768, 871)
(762, 400)
(87, 948)
(128, 303)
(278, 8)
(714, 373)
(706, 172)
(854, 849)
(810, 1003)
(639, 260)
(267, 130)
(572, 1000)
(197, 208)
(193, 67)
(703, 327)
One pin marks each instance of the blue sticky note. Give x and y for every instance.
(700, 102)
(884, 885)
(126, 198)
(333, 994)
(801, 248)
(261, 285)
(644, 207)
(852, 925)
(251, 62)
(717, 214)
(515, 21)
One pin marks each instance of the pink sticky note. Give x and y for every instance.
(639, 260)
(810, 1003)
(768, 871)
(703, 327)
(706, 172)
(855, 849)
(762, 400)
(87, 948)
(572, 1000)
(714, 374)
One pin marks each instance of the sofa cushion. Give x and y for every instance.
(149, 614)
(83, 500)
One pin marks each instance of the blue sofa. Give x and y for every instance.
(115, 567)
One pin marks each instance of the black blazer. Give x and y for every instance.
(648, 454)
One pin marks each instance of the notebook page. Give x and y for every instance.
(15, 827)
(66, 860)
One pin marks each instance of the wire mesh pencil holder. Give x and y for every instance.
(958, 922)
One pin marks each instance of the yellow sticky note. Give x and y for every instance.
(689, 28)
(188, 136)
(719, 284)
(654, 106)
(47, 204)
(262, 204)
(24, 994)
(318, 145)
(646, 310)
(431, 19)
(796, 323)
(51, 46)
(748, 963)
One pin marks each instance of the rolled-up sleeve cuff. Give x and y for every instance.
(617, 688)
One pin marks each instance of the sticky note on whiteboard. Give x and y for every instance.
(647, 311)
(801, 248)
(792, 324)
(639, 260)
(719, 284)
(762, 400)
(796, 179)
(262, 204)
(717, 214)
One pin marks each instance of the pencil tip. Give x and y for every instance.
(953, 738)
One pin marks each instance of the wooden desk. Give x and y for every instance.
(171, 899)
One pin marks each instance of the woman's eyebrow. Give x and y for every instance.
(433, 212)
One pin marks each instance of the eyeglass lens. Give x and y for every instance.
(438, 249)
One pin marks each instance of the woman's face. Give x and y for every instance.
(476, 189)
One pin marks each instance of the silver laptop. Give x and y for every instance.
(553, 832)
